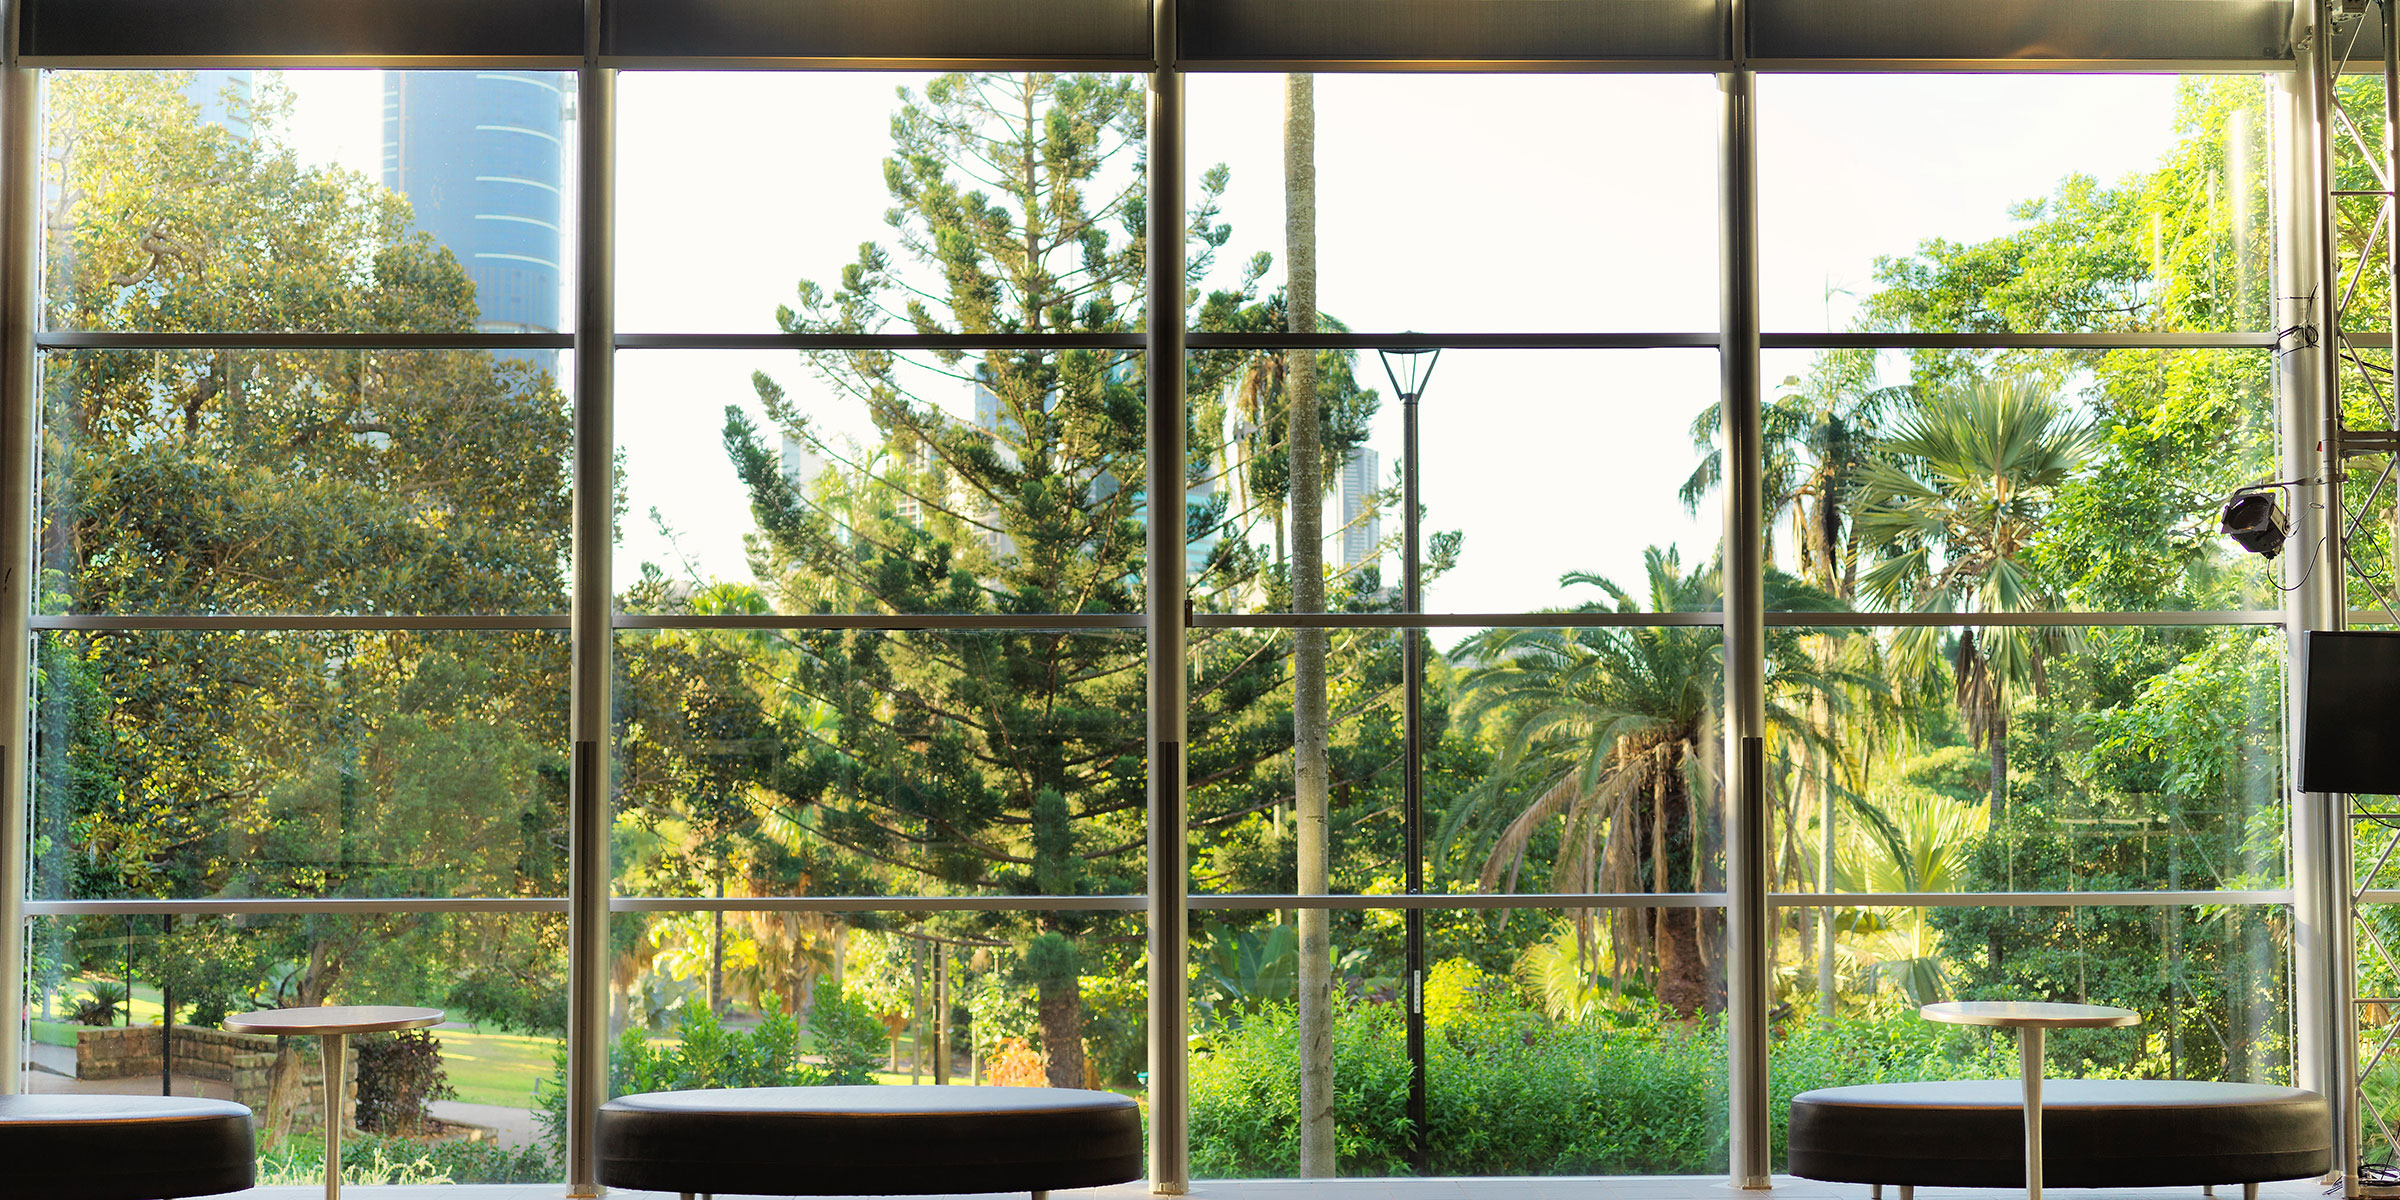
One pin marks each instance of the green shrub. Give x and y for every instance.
(1509, 1092)
(377, 1158)
(705, 1054)
(398, 1075)
(849, 1038)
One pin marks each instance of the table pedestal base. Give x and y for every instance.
(333, 1045)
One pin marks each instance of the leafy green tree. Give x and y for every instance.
(273, 481)
(996, 761)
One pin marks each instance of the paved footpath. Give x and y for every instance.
(513, 1126)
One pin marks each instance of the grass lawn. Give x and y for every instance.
(494, 1067)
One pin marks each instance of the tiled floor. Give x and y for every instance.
(1686, 1187)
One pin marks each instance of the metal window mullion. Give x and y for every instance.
(588, 798)
(1165, 597)
(1747, 916)
(20, 307)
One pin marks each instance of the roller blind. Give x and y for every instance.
(2131, 31)
(1094, 30)
(1215, 34)
(278, 29)
(1335, 31)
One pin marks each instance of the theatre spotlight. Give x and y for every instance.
(2253, 519)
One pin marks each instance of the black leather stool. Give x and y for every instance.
(97, 1147)
(2095, 1133)
(871, 1141)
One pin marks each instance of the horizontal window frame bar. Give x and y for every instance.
(1600, 620)
(890, 621)
(663, 63)
(295, 906)
(2246, 340)
(879, 904)
(298, 623)
(108, 339)
(1703, 620)
(881, 341)
(1475, 901)
(2243, 896)
(303, 62)
(2378, 896)
(968, 622)
(2230, 617)
(1113, 64)
(1663, 340)
(101, 339)
(298, 905)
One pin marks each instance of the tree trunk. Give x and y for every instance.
(1684, 986)
(1999, 745)
(1821, 776)
(1061, 1007)
(1311, 772)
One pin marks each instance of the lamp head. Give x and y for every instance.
(2255, 521)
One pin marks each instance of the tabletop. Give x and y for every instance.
(334, 1018)
(2022, 1014)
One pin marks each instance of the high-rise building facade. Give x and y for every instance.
(1354, 499)
(481, 155)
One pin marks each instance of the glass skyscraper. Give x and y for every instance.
(480, 154)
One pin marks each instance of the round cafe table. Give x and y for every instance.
(333, 1023)
(2030, 1019)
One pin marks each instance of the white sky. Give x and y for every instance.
(1446, 203)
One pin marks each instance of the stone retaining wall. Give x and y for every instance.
(245, 1060)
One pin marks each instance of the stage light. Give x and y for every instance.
(2253, 519)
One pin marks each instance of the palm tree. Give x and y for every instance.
(1953, 516)
(1819, 436)
(1610, 734)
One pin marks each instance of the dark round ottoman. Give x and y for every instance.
(2095, 1133)
(873, 1141)
(86, 1147)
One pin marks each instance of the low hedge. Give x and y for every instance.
(1512, 1093)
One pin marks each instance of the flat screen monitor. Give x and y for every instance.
(2350, 721)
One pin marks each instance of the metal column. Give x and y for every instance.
(1166, 589)
(2306, 369)
(1746, 914)
(588, 799)
(20, 277)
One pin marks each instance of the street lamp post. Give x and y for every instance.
(1416, 365)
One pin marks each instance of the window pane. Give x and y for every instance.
(322, 481)
(2080, 203)
(182, 764)
(1577, 760)
(1056, 998)
(1883, 493)
(879, 178)
(1534, 465)
(1242, 804)
(876, 482)
(856, 762)
(2139, 759)
(323, 201)
(1535, 1065)
(499, 978)
(1467, 203)
(2210, 985)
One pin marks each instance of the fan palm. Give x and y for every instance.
(1953, 517)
